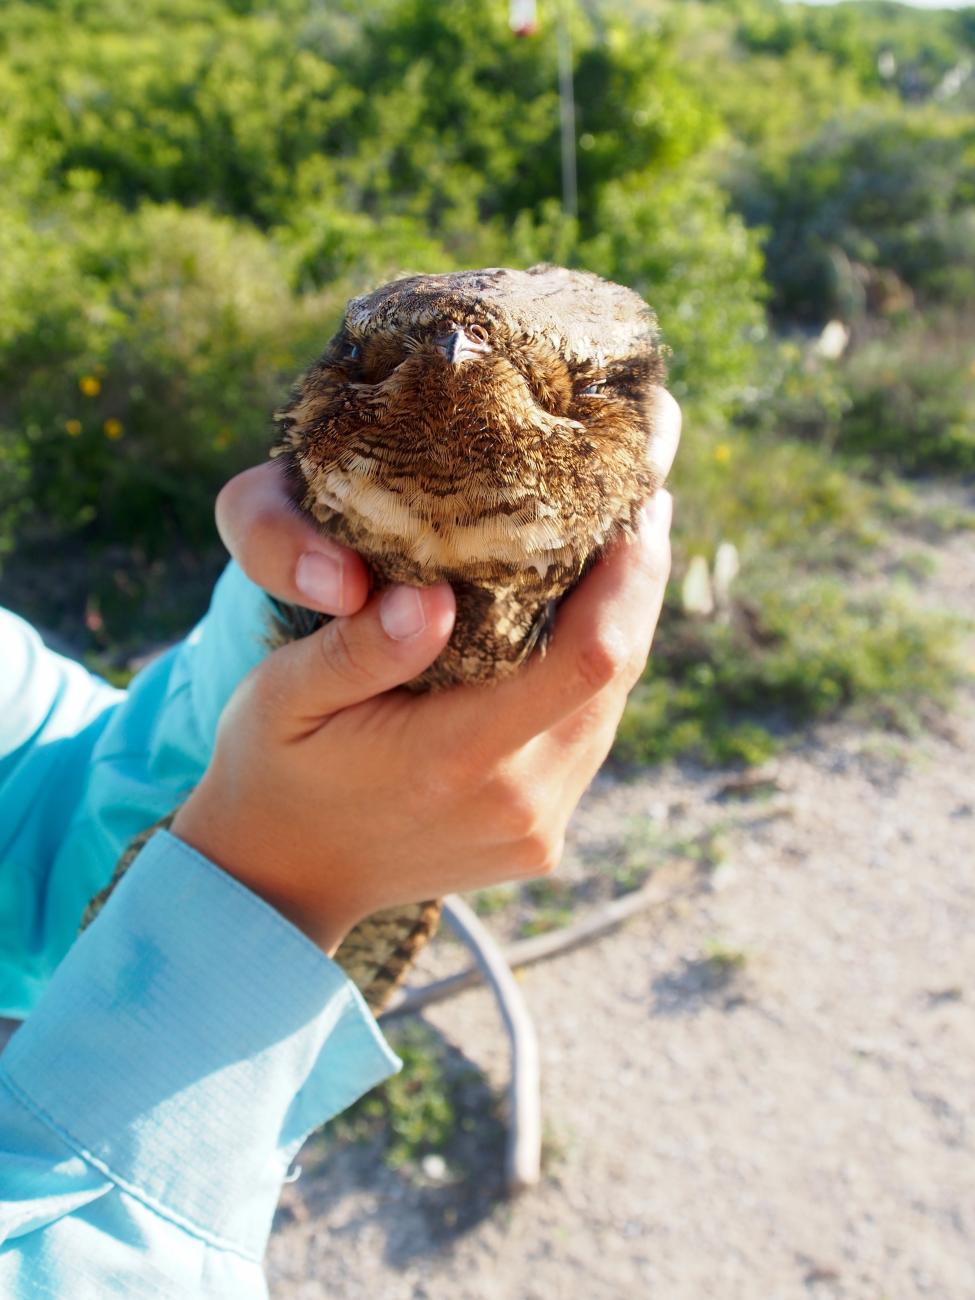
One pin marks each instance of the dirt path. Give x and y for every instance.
(766, 1091)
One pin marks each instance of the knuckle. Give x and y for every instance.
(601, 659)
(521, 814)
(536, 834)
(552, 857)
(539, 854)
(339, 654)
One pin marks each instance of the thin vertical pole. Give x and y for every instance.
(567, 115)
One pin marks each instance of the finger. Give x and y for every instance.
(666, 425)
(391, 640)
(282, 551)
(601, 642)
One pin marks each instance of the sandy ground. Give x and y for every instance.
(763, 1091)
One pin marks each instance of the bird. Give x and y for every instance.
(489, 428)
(492, 429)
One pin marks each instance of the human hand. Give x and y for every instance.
(281, 550)
(333, 795)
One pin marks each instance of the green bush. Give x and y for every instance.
(902, 400)
(912, 401)
(142, 354)
(209, 106)
(921, 49)
(771, 496)
(673, 239)
(884, 191)
(429, 141)
(800, 637)
(723, 690)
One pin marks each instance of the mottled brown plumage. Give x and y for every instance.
(487, 428)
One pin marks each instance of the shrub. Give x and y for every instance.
(671, 237)
(912, 401)
(723, 690)
(883, 190)
(142, 354)
(903, 399)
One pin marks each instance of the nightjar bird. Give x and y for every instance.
(490, 429)
(486, 428)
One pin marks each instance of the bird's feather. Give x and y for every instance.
(504, 473)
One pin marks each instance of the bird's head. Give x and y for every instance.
(480, 421)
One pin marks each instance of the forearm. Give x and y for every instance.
(153, 1101)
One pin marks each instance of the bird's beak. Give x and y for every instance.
(458, 346)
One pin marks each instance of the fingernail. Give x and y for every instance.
(401, 613)
(319, 577)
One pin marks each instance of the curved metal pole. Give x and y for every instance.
(543, 946)
(524, 1150)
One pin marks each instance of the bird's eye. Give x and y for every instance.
(478, 333)
(593, 389)
(351, 352)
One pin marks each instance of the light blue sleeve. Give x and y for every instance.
(52, 713)
(175, 1056)
(151, 1104)
(84, 767)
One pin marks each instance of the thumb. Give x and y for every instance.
(391, 640)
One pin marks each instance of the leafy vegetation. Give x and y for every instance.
(728, 690)
(871, 213)
(438, 1105)
(193, 189)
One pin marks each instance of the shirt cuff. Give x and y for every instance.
(189, 1042)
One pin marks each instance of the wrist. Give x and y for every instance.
(258, 867)
(325, 932)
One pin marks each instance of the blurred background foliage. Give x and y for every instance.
(192, 189)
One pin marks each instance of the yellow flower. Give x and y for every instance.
(113, 429)
(73, 427)
(89, 385)
(722, 453)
